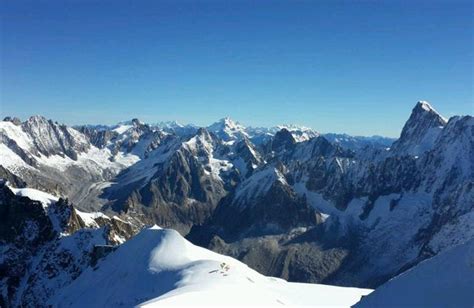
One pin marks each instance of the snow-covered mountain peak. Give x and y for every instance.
(177, 128)
(293, 127)
(172, 124)
(420, 131)
(203, 134)
(300, 133)
(137, 122)
(229, 122)
(125, 126)
(225, 122)
(228, 129)
(37, 119)
(133, 121)
(202, 141)
(282, 141)
(425, 106)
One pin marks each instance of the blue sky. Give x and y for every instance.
(337, 66)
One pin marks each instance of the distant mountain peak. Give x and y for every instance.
(228, 129)
(37, 118)
(229, 123)
(294, 127)
(133, 122)
(137, 122)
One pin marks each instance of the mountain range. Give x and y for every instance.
(287, 202)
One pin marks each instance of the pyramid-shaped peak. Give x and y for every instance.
(228, 129)
(420, 131)
(229, 122)
(425, 107)
(37, 118)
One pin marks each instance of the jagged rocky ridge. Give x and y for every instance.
(305, 209)
(46, 243)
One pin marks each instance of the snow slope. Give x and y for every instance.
(34, 194)
(160, 268)
(445, 280)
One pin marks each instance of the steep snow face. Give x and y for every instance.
(228, 130)
(134, 138)
(300, 133)
(456, 146)
(122, 128)
(420, 131)
(445, 280)
(167, 270)
(174, 127)
(14, 132)
(258, 185)
(202, 146)
(245, 157)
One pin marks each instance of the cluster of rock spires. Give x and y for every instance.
(46, 246)
(290, 203)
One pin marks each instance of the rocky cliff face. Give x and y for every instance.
(420, 131)
(46, 244)
(182, 187)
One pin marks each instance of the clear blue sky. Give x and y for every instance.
(337, 66)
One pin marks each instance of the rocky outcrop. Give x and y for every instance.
(14, 120)
(46, 246)
(183, 189)
(98, 137)
(11, 178)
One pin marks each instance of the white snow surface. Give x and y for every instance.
(299, 133)
(89, 218)
(122, 128)
(258, 185)
(427, 107)
(228, 129)
(159, 268)
(15, 132)
(202, 147)
(34, 194)
(445, 280)
(11, 160)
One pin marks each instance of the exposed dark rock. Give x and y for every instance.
(12, 179)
